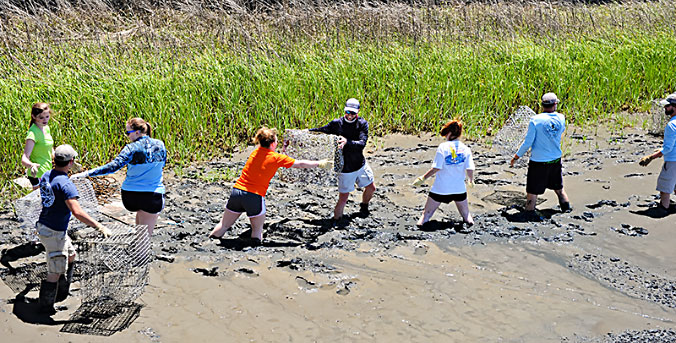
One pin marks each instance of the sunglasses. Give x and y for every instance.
(130, 131)
(351, 113)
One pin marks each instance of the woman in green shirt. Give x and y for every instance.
(39, 148)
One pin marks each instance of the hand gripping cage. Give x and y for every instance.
(28, 208)
(508, 140)
(305, 145)
(115, 268)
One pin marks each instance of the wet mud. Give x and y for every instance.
(600, 273)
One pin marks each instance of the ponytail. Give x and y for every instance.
(454, 127)
(140, 125)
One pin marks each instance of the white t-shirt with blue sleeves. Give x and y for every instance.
(452, 159)
(544, 137)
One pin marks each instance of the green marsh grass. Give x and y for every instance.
(207, 79)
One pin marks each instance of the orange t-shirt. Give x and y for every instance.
(259, 169)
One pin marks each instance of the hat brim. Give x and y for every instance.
(664, 103)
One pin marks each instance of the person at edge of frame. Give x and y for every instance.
(666, 181)
(543, 137)
(354, 133)
(59, 199)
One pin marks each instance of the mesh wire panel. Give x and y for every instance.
(304, 145)
(509, 138)
(28, 207)
(656, 120)
(116, 268)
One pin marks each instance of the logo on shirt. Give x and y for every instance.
(454, 159)
(553, 129)
(46, 193)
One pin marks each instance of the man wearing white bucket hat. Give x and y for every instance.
(354, 132)
(666, 182)
(544, 167)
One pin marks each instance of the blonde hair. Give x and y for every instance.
(265, 136)
(454, 127)
(37, 109)
(141, 125)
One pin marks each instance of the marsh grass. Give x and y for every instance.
(208, 74)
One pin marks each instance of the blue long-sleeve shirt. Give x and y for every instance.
(145, 158)
(669, 145)
(356, 133)
(544, 137)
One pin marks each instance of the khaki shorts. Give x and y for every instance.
(57, 248)
(666, 182)
(362, 178)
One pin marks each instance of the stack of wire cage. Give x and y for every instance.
(306, 145)
(508, 140)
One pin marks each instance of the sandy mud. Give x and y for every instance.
(601, 273)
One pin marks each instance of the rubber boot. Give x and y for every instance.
(63, 289)
(565, 207)
(47, 297)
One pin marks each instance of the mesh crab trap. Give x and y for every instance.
(305, 145)
(509, 138)
(656, 120)
(28, 208)
(116, 268)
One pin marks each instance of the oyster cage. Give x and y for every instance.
(116, 268)
(28, 208)
(305, 145)
(656, 119)
(508, 140)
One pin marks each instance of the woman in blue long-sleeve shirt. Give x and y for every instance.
(145, 157)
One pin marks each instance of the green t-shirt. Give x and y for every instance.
(42, 151)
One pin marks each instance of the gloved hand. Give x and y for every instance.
(645, 160)
(104, 230)
(326, 164)
(76, 168)
(79, 175)
(419, 181)
(470, 183)
(34, 170)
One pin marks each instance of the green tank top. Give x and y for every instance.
(42, 151)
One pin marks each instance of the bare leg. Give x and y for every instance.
(368, 193)
(229, 218)
(563, 197)
(257, 226)
(430, 206)
(145, 218)
(340, 206)
(463, 208)
(531, 200)
(664, 199)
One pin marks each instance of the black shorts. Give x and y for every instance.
(446, 198)
(243, 201)
(543, 175)
(150, 202)
(34, 180)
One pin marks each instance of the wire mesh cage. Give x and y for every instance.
(656, 120)
(28, 208)
(509, 138)
(116, 268)
(305, 145)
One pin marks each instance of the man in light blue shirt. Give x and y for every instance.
(544, 167)
(666, 182)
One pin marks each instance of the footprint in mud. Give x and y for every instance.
(345, 290)
(421, 249)
(306, 284)
(508, 198)
(247, 271)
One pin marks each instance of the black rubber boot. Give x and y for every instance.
(364, 210)
(47, 297)
(565, 207)
(63, 289)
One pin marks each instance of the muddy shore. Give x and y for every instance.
(601, 273)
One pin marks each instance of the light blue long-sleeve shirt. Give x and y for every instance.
(544, 137)
(145, 159)
(669, 146)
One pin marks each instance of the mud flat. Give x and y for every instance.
(602, 273)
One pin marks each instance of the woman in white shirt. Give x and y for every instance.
(452, 161)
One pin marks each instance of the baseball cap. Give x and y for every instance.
(352, 105)
(549, 99)
(670, 100)
(64, 153)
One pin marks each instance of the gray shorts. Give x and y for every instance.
(243, 201)
(362, 178)
(58, 248)
(666, 182)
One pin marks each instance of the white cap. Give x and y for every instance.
(549, 99)
(64, 153)
(352, 105)
(670, 100)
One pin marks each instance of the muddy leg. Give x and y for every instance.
(463, 208)
(368, 193)
(430, 206)
(257, 226)
(664, 199)
(531, 200)
(340, 206)
(229, 218)
(145, 218)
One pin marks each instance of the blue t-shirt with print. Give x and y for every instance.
(55, 189)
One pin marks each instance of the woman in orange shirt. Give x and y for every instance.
(248, 194)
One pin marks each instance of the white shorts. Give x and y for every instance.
(666, 182)
(362, 178)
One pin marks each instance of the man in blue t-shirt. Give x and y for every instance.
(59, 199)
(544, 167)
(354, 132)
(666, 182)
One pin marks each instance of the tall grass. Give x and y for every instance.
(208, 78)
